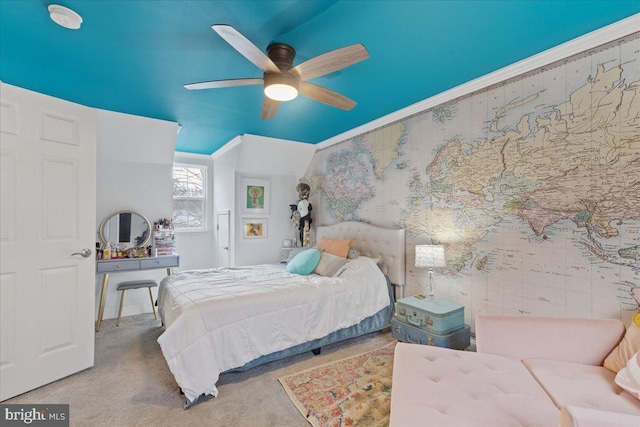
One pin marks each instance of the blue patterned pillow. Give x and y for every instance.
(305, 262)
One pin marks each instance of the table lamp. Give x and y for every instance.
(429, 256)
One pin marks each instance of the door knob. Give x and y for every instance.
(86, 252)
(226, 248)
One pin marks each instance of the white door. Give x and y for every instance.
(48, 213)
(223, 239)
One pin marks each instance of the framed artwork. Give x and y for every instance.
(254, 228)
(255, 195)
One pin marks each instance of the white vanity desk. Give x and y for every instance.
(106, 267)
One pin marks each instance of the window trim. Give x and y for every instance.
(204, 199)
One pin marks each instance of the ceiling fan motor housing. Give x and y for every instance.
(282, 55)
(284, 84)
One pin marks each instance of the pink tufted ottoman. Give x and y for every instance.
(527, 370)
(435, 386)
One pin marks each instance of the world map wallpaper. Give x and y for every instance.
(532, 186)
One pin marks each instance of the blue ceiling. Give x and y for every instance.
(135, 56)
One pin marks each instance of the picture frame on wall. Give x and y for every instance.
(256, 193)
(254, 228)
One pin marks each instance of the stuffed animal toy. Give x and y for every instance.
(304, 208)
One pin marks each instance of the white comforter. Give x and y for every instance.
(222, 318)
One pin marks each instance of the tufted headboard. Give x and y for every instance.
(371, 240)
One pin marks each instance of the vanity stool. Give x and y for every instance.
(136, 284)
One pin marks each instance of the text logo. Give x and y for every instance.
(35, 415)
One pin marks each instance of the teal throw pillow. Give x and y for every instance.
(305, 262)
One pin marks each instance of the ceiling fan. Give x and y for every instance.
(282, 81)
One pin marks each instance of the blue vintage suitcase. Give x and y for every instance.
(437, 316)
(458, 340)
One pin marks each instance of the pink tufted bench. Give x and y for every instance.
(525, 372)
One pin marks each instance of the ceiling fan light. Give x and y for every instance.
(280, 87)
(281, 92)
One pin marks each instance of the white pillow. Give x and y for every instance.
(629, 377)
(329, 264)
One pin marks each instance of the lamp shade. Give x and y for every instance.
(430, 256)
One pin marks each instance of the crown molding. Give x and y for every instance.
(580, 44)
(226, 147)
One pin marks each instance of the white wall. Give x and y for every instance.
(267, 156)
(197, 248)
(224, 167)
(283, 163)
(280, 227)
(135, 161)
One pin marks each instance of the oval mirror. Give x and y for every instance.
(129, 229)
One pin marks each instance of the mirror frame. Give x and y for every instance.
(103, 239)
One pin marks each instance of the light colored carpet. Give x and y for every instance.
(130, 384)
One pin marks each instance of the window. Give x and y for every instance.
(189, 197)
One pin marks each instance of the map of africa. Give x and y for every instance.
(532, 186)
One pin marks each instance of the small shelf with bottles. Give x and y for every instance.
(164, 237)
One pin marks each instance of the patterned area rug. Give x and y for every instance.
(355, 391)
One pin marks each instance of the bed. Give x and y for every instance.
(227, 319)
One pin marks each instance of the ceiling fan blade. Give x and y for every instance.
(215, 84)
(269, 108)
(331, 61)
(326, 96)
(246, 48)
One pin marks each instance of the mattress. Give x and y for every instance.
(220, 319)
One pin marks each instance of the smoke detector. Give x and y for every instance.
(64, 17)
